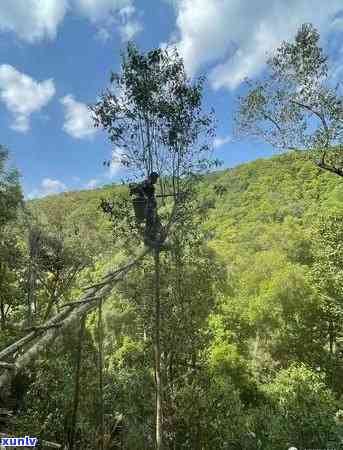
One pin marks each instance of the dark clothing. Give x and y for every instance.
(145, 205)
(144, 189)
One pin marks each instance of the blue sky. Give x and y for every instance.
(56, 57)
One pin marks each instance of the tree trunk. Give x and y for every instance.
(34, 244)
(31, 286)
(158, 379)
(2, 302)
(77, 385)
(256, 345)
(2, 314)
(331, 337)
(101, 383)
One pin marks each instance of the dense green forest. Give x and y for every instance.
(251, 352)
(225, 331)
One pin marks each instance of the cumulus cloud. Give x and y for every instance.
(48, 187)
(22, 95)
(32, 20)
(234, 36)
(108, 14)
(35, 20)
(78, 121)
(129, 25)
(220, 141)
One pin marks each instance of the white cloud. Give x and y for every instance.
(32, 20)
(52, 186)
(107, 14)
(48, 187)
(23, 96)
(115, 165)
(129, 26)
(97, 10)
(235, 35)
(113, 170)
(220, 141)
(78, 121)
(92, 184)
(129, 29)
(35, 20)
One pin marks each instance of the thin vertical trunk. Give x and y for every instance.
(30, 293)
(34, 242)
(2, 314)
(77, 385)
(101, 390)
(257, 343)
(158, 379)
(2, 302)
(331, 337)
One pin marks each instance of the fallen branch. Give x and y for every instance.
(80, 302)
(71, 314)
(43, 327)
(106, 279)
(31, 336)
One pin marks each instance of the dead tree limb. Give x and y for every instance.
(72, 314)
(80, 302)
(31, 336)
(43, 327)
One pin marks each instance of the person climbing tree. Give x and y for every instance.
(145, 207)
(154, 116)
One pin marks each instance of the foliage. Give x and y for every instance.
(246, 351)
(11, 258)
(303, 411)
(10, 190)
(153, 115)
(296, 106)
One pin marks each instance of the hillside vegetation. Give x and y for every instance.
(251, 317)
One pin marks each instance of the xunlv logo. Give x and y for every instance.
(18, 442)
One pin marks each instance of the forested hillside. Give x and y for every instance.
(251, 317)
(187, 308)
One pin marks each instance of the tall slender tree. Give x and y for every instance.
(154, 118)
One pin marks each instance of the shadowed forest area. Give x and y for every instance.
(229, 338)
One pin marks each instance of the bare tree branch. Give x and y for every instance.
(319, 115)
(72, 314)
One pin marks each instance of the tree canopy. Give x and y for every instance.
(297, 105)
